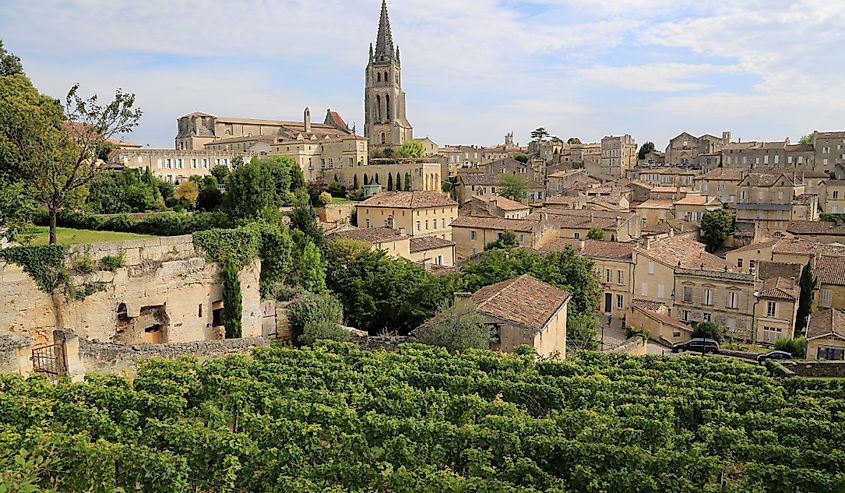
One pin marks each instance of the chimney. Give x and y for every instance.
(402, 231)
(462, 300)
(618, 222)
(307, 120)
(648, 242)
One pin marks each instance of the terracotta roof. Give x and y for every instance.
(816, 228)
(565, 173)
(767, 179)
(608, 249)
(779, 288)
(656, 204)
(830, 270)
(478, 179)
(522, 300)
(647, 304)
(583, 219)
(671, 225)
(497, 223)
(669, 189)
(409, 200)
(806, 247)
(560, 244)
(769, 270)
(370, 235)
(755, 246)
(698, 199)
(662, 318)
(421, 244)
(732, 174)
(503, 203)
(334, 116)
(678, 250)
(561, 200)
(826, 322)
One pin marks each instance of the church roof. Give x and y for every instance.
(384, 40)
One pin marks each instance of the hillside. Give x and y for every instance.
(335, 418)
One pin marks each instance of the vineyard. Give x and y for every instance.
(336, 418)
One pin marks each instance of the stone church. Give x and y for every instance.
(386, 124)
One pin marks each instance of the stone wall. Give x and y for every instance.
(635, 346)
(818, 369)
(166, 292)
(15, 354)
(122, 359)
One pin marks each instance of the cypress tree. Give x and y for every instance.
(365, 179)
(805, 300)
(389, 182)
(407, 182)
(355, 182)
(232, 301)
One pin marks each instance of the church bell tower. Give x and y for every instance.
(384, 101)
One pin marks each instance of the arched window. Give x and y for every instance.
(385, 77)
(387, 104)
(378, 76)
(383, 139)
(378, 108)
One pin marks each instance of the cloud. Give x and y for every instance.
(655, 77)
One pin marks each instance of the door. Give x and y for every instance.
(608, 302)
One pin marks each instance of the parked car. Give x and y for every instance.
(776, 354)
(697, 345)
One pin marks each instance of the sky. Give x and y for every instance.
(472, 70)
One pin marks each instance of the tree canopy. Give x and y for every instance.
(807, 139)
(9, 63)
(716, 225)
(513, 186)
(457, 328)
(807, 283)
(539, 133)
(645, 149)
(411, 149)
(573, 140)
(595, 234)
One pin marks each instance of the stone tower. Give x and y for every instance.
(384, 101)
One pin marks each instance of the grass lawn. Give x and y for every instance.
(753, 348)
(342, 200)
(69, 236)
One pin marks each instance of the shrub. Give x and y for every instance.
(708, 330)
(325, 198)
(796, 347)
(113, 262)
(317, 330)
(310, 308)
(83, 264)
(458, 328)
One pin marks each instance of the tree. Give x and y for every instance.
(221, 173)
(716, 225)
(539, 133)
(645, 149)
(312, 269)
(807, 139)
(595, 234)
(9, 63)
(708, 330)
(325, 198)
(513, 187)
(506, 240)
(407, 182)
(573, 140)
(398, 182)
(17, 208)
(807, 283)
(313, 309)
(411, 149)
(54, 147)
(557, 140)
(187, 193)
(210, 196)
(389, 182)
(262, 186)
(233, 304)
(355, 182)
(796, 347)
(521, 157)
(582, 332)
(457, 328)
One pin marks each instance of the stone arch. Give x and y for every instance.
(383, 138)
(378, 77)
(387, 106)
(378, 108)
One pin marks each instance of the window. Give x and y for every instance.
(706, 316)
(644, 289)
(179, 164)
(836, 194)
(193, 164)
(825, 298)
(577, 235)
(522, 238)
(685, 315)
(661, 291)
(770, 308)
(471, 233)
(651, 267)
(620, 279)
(607, 275)
(733, 299)
(426, 224)
(739, 263)
(205, 163)
(708, 296)
(687, 294)
(420, 229)
(168, 163)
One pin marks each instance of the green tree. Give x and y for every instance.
(457, 328)
(407, 182)
(221, 173)
(796, 347)
(708, 330)
(645, 149)
(807, 283)
(411, 149)
(582, 332)
(233, 304)
(54, 147)
(317, 310)
(573, 140)
(9, 63)
(398, 182)
(210, 196)
(506, 240)
(513, 187)
(539, 133)
(716, 225)
(355, 182)
(312, 268)
(17, 208)
(250, 192)
(807, 139)
(187, 194)
(595, 234)
(521, 157)
(389, 182)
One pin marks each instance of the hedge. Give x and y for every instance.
(163, 224)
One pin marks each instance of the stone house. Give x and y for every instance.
(687, 149)
(746, 259)
(576, 224)
(667, 176)
(829, 272)
(560, 182)
(618, 154)
(171, 165)
(832, 197)
(431, 250)
(653, 319)
(521, 310)
(574, 200)
(495, 206)
(394, 242)
(720, 296)
(422, 213)
(692, 207)
(826, 335)
(829, 148)
(471, 234)
(775, 310)
(772, 200)
(654, 211)
(722, 183)
(818, 231)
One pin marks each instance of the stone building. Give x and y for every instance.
(829, 272)
(666, 176)
(832, 197)
(495, 206)
(826, 335)
(386, 124)
(775, 310)
(618, 154)
(722, 183)
(425, 213)
(614, 266)
(771, 201)
(471, 234)
(689, 150)
(172, 166)
(395, 243)
(577, 224)
(726, 298)
(829, 149)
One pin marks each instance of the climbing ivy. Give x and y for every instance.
(44, 263)
(231, 250)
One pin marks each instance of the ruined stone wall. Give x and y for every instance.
(164, 281)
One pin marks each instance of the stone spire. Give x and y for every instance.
(384, 41)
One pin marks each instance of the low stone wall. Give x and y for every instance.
(818, 369)
(16, 354)
(635, 346)
(122, 359)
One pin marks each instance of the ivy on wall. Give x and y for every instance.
(45, 265)
(231, 250)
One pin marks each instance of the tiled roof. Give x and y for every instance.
(673, 225)
(816, 228)
(656, 204)
(371, 235)
(733, 174)
(767, 179)
(647, 304)
(478, 179)
(409, 200)
(522, 300)
(421, 244)
(779, 288)
(697, 199)
(560, 244)
(826, 322)
(806, 247)
(582, 219)
(678, 250)
(561, 200)
(503, 203)
(835, 183)
(830, 270)
(663, 318)
(769, 270)
(608, 249)
(755, 246)
(497, 223)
